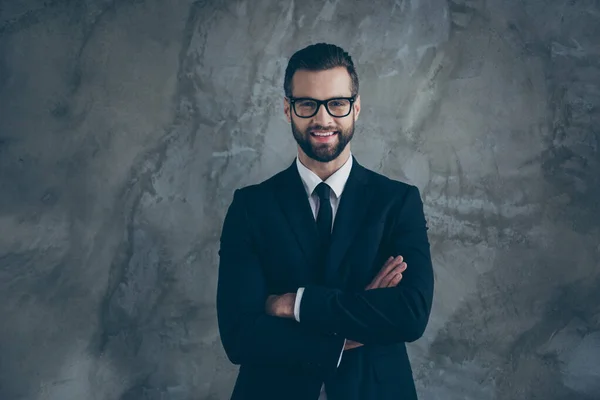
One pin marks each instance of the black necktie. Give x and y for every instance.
(324, 217)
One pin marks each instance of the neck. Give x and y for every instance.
(324, 169)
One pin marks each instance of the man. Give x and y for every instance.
(325, 268)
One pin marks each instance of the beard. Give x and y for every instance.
(323, 152)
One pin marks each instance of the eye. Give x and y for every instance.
(339, 104)
(306, 104)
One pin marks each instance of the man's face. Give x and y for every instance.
(322, 85)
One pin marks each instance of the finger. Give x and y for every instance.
(402, 267)
(390, 264)
(385, 281)
(396, 280)
(398, 269)
(393, 262)
(387, 268)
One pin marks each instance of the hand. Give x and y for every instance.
(390, 274)
(351, 344)
(281, 306)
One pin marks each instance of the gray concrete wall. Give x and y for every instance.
(125, 126)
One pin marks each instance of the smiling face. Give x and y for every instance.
(322, 137)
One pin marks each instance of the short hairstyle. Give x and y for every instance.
(319, 57)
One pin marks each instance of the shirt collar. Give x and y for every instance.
(336, 182)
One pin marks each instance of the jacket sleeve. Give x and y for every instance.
(386, 315)
(248, 334)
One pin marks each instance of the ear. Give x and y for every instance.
(356, 107)
(287, 110)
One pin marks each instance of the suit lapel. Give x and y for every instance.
(293, 200)
(350, 215)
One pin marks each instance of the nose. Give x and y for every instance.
(322, 117)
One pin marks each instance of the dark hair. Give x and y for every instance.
(319, 57)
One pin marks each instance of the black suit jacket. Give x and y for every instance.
(269, 246)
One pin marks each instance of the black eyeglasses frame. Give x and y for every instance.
(293, 101)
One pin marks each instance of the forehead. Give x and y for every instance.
(321, 85)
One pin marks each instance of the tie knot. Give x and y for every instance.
(322, 190)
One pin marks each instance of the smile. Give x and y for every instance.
(323, 134)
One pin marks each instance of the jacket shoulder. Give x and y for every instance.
(258, 191)
(390, 186)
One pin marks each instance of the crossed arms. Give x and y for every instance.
(377, 315)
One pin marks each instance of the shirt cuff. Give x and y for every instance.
(299, 294)
(342, 353)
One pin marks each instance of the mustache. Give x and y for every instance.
(322, 128)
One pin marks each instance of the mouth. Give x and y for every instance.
(323, 136)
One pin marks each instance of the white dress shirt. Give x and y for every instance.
(336, 182)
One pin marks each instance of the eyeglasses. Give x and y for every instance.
(306, 107)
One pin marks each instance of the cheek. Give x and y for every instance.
(346, 125)
(300, 125)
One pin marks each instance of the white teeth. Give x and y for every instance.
(323, 134)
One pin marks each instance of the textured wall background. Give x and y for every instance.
(125, 126)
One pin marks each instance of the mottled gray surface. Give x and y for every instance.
(125, 126)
